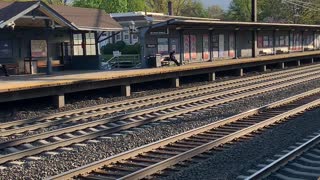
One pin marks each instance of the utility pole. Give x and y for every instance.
(254, 17)
(254, 31)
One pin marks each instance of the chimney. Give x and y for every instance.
(170, 8)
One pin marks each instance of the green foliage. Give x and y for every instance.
(51, 2)
(216, 12)
(275, 11)
(116, 6)
(239, 10)
(194, 9)
(136, 5)
(122, 47)
(131, 49)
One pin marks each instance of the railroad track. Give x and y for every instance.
(32, 145)
(28, 127)
(150, 159)
(299, 162)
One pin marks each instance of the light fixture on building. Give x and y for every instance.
(53, 25)
(132, 27)
(12, 25)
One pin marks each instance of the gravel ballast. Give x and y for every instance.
(28, 109)
(240, 157)
(67, 160)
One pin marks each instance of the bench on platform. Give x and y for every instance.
(54, 63)
(12, 67)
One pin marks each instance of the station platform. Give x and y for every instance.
(32, 86)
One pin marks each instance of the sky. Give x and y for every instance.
(223, 3)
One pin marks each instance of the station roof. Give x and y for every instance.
(213, 24)
(149, 16)
(72, 17)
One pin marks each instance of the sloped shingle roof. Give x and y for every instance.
(82, 18)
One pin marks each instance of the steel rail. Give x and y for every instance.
(131, 102)
(186, 155)
(199, 150)
(282, 161)
(69, 141)
(132, 106)
(113, 119)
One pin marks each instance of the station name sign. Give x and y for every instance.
(158, 33)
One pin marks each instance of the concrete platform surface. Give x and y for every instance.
(23, 82)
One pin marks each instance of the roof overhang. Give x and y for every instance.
(239, 25)
(44, 9)
(4, 23)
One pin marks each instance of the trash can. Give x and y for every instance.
(154, 61)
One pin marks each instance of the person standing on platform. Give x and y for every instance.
(4, 69)
(173, 58)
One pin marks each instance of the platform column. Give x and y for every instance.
(212, 76)
(254, 43)
(282, 66)
(175, 82)
(263, 68)
(58, 101)
(126, 90)
(240, 72)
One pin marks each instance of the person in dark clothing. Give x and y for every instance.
(4, 69)
(173, 58)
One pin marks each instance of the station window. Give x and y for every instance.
(266, 41)
(5, 49)
(90, 44)
(77, 45)
(282, 41)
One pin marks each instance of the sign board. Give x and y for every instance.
(151, 45)
(38, 48)
(158, 33)
(116, 53)
(205, 46)
(163, 45)
(186, 45)
(193, 46)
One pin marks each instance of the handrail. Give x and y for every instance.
(134, 60)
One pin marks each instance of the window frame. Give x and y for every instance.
(10, 48)
(85, 43)
(90, 44)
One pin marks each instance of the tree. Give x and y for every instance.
(180, 7)
(194, 9)
(51, 2)
(216, 12)
(98, 4)
(136, 5)
(277, 11)
(116, 6)
(240, 10)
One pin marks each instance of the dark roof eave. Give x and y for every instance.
(4, 23)
(252, 24)
(58, 16)
(83, 28)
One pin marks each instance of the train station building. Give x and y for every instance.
(33, 32)
(208, 40)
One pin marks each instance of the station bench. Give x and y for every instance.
(12, 68)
